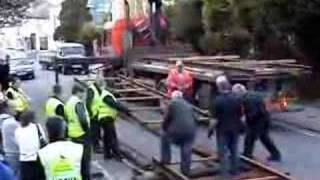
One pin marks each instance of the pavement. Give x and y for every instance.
(299, 147)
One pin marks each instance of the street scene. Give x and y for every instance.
(159, 90)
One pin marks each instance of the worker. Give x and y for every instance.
(16, 97)
(29, 137)
(107, 115)
(10, 146)
(180, 79)
(227, 109)
(5, 72)
(54, 106)
(60, 159)
(179, 127)
(258, 123)
(79, 125)
(92, 103)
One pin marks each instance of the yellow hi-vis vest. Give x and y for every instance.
(20, 102)
(62, 160)
(104, 109)
(95, 101)
(74, 127)
(51, 106)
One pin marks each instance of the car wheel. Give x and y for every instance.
(32, 76)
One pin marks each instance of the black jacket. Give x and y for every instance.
(255, 110)
(227, 108)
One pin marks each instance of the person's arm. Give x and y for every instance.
(41, 173)
(214, 112)
(115, 104)
(81, 113)
(167, 119)
(60, 111)
(189, 80)
(89, 101)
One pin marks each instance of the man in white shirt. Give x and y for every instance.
(27, 136)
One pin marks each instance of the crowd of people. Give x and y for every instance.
(61, 150)
(236, 110)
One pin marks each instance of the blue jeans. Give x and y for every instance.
(185, 145)
(227, 144)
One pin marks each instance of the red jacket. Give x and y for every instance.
(179, 81)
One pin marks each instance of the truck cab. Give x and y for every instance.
(65, 51)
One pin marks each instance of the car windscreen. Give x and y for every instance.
(69, 51)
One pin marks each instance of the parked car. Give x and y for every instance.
(21, 65)
(65, 51)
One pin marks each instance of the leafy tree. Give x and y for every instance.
(12, 12)
(186, 20)
(75, 17)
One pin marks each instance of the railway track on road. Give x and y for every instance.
(148, 104)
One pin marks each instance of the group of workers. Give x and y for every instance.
(63, 149)
(236, 111)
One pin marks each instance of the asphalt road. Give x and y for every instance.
(300, 149)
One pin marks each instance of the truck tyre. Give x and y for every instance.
(65, 70)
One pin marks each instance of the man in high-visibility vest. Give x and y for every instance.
(92, 103)
(17, 99)
(107, 115)
(60, 159)
(54, 105)
(79, 124)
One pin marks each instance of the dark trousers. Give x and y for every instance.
(29, 170)
(95, 132)
(185, 145)
(227, 143)
(252, 135)
(86, 159)
(110, 140)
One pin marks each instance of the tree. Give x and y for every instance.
(12, 12)
(74, 17)
(186, 20)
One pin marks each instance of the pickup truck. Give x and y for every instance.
(65, 51)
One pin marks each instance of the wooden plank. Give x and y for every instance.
(204, 58)
(173, 172)
(202, 112)
(151, 121)
(121, 83)
(146, 108)
(266, 168)
(128, 90)
(139, 98)
(265, 178)
(200, 160)
(295, 66)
